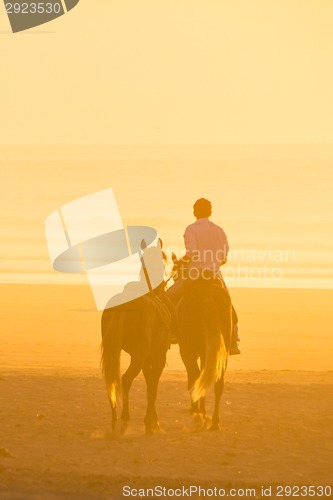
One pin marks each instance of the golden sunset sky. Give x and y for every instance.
(171, 71)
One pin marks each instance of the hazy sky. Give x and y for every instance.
(171, 71)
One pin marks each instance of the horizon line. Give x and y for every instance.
(167, 144)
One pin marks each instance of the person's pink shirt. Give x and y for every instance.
(206, 244)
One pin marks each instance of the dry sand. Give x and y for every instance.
(277, 429)
(276, 411)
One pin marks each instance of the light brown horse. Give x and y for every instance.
(205, 318)
(141, 328)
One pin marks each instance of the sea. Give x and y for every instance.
(275, 203)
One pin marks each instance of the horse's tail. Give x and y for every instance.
(112, 333)
(215, 354)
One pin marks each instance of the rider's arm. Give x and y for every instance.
(190, 242)
(224, 247)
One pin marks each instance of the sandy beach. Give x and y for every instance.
(223, 105)
(276, 409)
(276, 431)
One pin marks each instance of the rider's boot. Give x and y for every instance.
(234, 346)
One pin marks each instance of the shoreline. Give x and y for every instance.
(286, 283)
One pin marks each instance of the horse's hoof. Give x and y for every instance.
(117, 431)
(113, 433)
(122, 427)
(158, 428)
(149, 431)
(199, 422)
(215, 427)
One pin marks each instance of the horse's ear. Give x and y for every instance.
(143, 245)
(174, 257)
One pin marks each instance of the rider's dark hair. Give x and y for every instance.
(202, 208)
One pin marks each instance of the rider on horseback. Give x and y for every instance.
(206, 251)
(207, 248)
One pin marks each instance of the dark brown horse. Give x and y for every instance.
(205, 332)
(141, 328)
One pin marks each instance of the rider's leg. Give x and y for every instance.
(235, 340)
(234, 346)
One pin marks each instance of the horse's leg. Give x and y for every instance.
(152, 372)
(218, 389)
(114, 415)
(202, 406)
(148, 420)
(202, 401)
(127, 379)
(193, 373)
